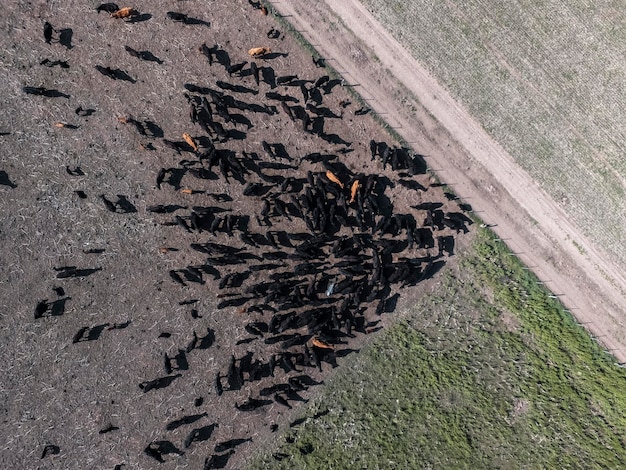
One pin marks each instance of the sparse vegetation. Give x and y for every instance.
(579, 247)
(559, 114)
(489, 371)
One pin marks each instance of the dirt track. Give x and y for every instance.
(468, 160)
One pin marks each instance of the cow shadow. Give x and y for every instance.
(140, 18)
(197, 22)
(275, 55)
(154, 129)
(126, 207)
(6, 181)
(57, 308)
(65, 37)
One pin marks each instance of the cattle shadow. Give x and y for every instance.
(207, 340)
(156, 384)
(222, 57)
(57, 308)
(241, 120)
(181, 360)
(84, 112)
(125, 206)
(268, 76)
(274, 55)
(60, 63)
(5, 180)
(246, 340)
(154, 129)
(157, 449)
(334, 139)
(281, 152)
(139, 18)
(432, 269)
(428, 206)
(418, 165)
(322, 111)
(150, 57)
(446, 245)
(65, 37)
(50, 449)
(72, 271)
(47, 92)
(315, 96)
(176, 177)
(328, 86)
(200, 434)
(51, 309)
(412, 184)
(120, 326)
(345, 352)
(160, 209)
(278, 97)
(197, 22)
(236, 88)
(319, 62)
(115, 74)
(235, 134)
(276, 166)
(89, 334)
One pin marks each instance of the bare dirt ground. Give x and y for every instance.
(469, 161)
(81, 347)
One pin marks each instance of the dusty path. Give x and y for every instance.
(480, 171)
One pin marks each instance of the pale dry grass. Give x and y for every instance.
(547, 81)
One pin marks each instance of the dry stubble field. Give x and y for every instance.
(77, 348)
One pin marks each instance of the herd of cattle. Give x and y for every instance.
(322, 256)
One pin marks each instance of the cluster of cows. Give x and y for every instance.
(322, 255)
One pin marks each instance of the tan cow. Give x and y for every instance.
(259, 51)
(190, 141)
(332, 177)
(125, 12)
(353, 191)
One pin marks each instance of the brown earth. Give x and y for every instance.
(58, 391)
(421, 111)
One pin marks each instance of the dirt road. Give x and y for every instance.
(479, 170)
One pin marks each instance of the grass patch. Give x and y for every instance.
(579, 247)
(488, 372)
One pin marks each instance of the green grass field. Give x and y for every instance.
(488, 371)
(547, 79)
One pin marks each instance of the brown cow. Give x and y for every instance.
(125, 12)
(259, 51)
